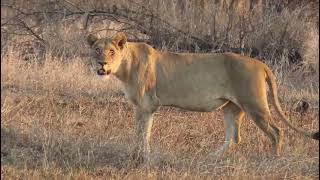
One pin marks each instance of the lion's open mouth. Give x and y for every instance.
(102, 72)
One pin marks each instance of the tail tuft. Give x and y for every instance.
(316, 136)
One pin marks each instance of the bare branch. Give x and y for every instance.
(30, 30)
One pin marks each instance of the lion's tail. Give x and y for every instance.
(271, 80)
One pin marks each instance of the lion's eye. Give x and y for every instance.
(98, 51)
(111, 52)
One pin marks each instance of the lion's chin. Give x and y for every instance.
(104, 77)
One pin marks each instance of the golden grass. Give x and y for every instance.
(59, 121)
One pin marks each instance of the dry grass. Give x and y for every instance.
(59, 121)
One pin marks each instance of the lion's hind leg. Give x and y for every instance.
(238, 115)
(262, 118)
(232, 119)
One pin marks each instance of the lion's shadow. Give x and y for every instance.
(20, 150)
(26, 150)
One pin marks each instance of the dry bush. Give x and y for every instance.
(59, 120)
(278, 32)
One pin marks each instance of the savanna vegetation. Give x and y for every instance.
(60, 121)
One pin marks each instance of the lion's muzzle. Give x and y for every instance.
(101, 72)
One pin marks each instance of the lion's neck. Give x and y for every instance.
(126, 68)
(137, 72)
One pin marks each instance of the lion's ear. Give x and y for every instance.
(119, 40)
(91, 39)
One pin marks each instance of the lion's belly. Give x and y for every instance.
(202, 106)
(204, 103)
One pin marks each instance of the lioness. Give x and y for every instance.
(192, 81)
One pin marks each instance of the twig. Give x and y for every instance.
(29, 29)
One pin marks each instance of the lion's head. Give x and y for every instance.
(108, 52)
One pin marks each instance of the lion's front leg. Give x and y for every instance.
(143, 125)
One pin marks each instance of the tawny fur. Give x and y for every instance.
(192, 81)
